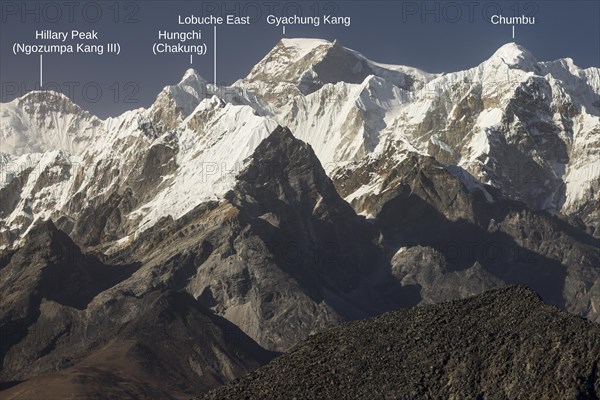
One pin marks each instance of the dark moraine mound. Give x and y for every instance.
(502, 344)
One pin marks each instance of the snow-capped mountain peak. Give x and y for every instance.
(191, 82)
(303, 66)
(300, 47)
(191, 73)
(42, 121)
(175, 102)
(45, 95)
(515, 56)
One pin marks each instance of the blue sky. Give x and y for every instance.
(434, 35)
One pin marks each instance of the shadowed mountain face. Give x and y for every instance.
(171, 349)
(504, 343)
(49, 267)
(63, 340)
(286, 198)
(282, 256)
(439, 226)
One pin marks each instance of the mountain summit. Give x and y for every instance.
(516, 56)
(305, 65)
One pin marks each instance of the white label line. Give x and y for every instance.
(284, 29)
(191, 59)
(215, 55)
(513, 31)
(41, 71)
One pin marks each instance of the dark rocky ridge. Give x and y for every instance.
(49, 266)
(283, 256)
(62, 337)
(286, 197)
(503, 344)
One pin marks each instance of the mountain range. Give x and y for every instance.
(197, 239)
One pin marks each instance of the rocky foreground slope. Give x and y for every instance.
(503, 344)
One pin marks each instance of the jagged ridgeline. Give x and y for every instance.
(166, 251)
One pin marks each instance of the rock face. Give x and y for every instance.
(504, 343)
(283, 256)
(285, 191)
(174, 348)
(49, 267)
(62, 338)
(440, 227)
